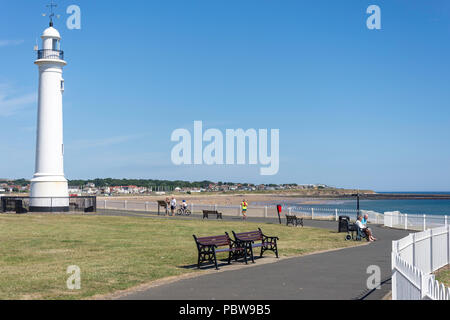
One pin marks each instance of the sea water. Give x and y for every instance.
(409, 206)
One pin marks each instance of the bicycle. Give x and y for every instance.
(183, 211)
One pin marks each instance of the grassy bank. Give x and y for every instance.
(443, 276)
(116, 253)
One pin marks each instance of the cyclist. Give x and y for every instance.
(184, 206)
(184, 209)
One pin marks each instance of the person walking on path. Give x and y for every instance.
(244, 206)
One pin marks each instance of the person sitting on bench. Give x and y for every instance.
(364, 229)
(364, 221)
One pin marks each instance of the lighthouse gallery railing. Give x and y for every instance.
(50, 54)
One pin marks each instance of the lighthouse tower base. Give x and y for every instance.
(49, 194)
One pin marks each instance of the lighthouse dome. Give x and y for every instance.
(51, 33)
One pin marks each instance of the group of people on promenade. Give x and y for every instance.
(361, 221)
(172, 204)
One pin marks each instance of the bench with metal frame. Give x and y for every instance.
(256, 239)
(294, 221)
(206, 214)
(208, 247)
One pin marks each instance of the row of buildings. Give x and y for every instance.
(10, 187)
(92, 189)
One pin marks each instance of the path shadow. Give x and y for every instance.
(221, 263)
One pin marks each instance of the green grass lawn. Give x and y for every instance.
(443, 276)
(116, 253)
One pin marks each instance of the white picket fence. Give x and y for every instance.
(414, 259)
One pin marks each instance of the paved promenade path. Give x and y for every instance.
(327, 276)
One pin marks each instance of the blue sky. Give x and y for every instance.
(355, 107)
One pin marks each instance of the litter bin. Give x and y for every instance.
(344, 222)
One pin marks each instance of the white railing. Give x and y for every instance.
(414, 259)
(253, 211)
(324, 213)
(388, 219)
(415, 222)
(152, 206)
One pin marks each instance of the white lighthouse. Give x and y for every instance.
(49, 190)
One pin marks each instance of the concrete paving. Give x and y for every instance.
(336, 275)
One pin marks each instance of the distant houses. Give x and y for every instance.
(90, 188)
(13, 188)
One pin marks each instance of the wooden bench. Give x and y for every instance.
(248, 239)
(206, 214)
(208, 247)
(294, 221)
(163, 204)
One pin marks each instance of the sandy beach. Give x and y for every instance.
(229, 199)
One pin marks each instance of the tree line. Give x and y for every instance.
(148, 183)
